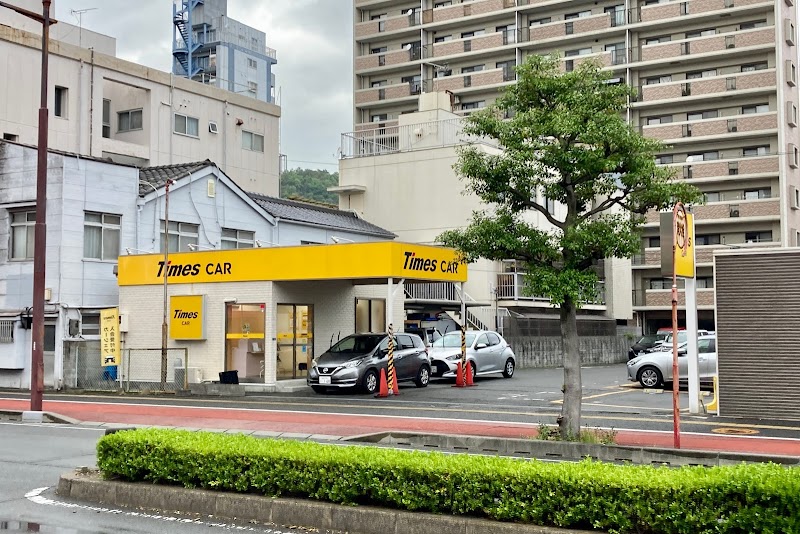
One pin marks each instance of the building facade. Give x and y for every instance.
(104, 107)
(716, 81)
(214, 49)
(98, 210)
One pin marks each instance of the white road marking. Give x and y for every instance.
(35, 496)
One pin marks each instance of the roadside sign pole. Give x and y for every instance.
(691, 326)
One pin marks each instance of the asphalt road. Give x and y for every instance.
(32, 457)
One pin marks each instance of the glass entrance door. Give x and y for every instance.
(244, 340)
(295, 340)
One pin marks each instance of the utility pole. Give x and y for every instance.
(40, 228)
(164, 327)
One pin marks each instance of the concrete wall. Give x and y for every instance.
(535, 352)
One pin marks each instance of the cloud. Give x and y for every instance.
(313, 40)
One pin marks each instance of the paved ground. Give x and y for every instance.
(496, 407)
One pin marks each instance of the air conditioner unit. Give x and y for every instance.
(212, 127)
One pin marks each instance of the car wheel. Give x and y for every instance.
(423, 376)
(370, 383)
(508, 370)
(650, 377)
(474, 368)
(319, 389)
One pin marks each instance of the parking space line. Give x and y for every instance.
(561, 401)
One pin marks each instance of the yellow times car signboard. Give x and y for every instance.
(378, 260)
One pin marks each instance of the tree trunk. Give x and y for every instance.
(570, 420)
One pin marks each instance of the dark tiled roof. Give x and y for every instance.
(158, 176)
(293, 210)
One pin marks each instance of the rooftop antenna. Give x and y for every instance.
(78, 14)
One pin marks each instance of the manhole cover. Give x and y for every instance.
(735, 431)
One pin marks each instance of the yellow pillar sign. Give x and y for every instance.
(684, 244)
(109, 337)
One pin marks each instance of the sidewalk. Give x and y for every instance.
(300, 424)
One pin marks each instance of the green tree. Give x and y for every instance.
(309, 184)
(566, 141)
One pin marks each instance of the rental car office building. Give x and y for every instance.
(267, 312)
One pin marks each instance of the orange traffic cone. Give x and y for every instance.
(395, 387)
(470, 382)
(383, 390)
(459, 376)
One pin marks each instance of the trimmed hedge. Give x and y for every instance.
(743, 499)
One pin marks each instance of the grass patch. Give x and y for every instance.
(597, 436)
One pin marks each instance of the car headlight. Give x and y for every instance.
(353, 363)
(454, 357)
(633, 361)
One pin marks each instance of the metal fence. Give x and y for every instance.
(140, 370)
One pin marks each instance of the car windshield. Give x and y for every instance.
(357, 344)
(452, 341)
(648, 339)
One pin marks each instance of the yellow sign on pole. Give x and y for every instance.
(109, 337)
(684, 244)
(187, 317)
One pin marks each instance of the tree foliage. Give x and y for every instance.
(309, 184)
(566, 141)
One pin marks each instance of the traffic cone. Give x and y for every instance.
(383, 390)
(470, 382)
(395, 387)
(459, 376)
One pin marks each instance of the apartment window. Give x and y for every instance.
(664, 119)
(660, 283)
(232, 239)
(752, 67)
(617, 14)
(707, 239)
(129, 120)
(538, 22)
(252, 63)
(655, 80)
(106, 118)
(472, 68)
(578, 52)
(442, 38)
(379, 50)
(755, 108)
(578, 15)
(694, 75)
(90, 323)
(664, 159)
(379, 118)
(699, 115)
(101, 236)
(186, 125)
(370, 315)
(703, 156)
(701, 33)
(659, 39)
(252, 87)
(474, 105)
(753, 24)
(60, 103)
(758, 237)
(713, 197)
(705, 282)
(379, 83)
(654, 242)
(180, 236)
(550, 205)
(10, 137)
(252, 141)
(755, 194)
(474, 33)
(22, 230)
(752, 151)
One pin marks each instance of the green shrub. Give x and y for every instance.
(745, 499)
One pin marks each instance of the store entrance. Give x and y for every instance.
(244, 340)
(295, 340)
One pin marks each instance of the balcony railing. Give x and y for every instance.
(393, 139)
(467, 9)
(711, 127)
(433, 291)
(668, 10)
(711, 86)
(391, 24)
(511, 286)
(734, 167)
(703, 45)
(769, 207)
(469, 79)
(662, 298)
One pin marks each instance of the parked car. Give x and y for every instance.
(645, 342)
(356, 362)
(488, 352)
(654, 369)
(428, 334)
(666, 342)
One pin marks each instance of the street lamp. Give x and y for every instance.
(40, 228)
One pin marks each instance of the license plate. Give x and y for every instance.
(324, 380)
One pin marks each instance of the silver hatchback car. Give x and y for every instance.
(487, 350)
(654, 369)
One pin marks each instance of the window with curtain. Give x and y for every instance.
(101, 236)
(22, 230)
(180, 236)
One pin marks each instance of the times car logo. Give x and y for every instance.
(417, 263)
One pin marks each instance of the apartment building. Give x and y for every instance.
(105, 107)
(212, 48)
(716, 82)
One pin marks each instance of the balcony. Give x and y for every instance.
(660, 12)
(474, 44)
(687, 131)
(708, 87)
(606, 59)
(392, 24)
(563, 28)
(704, 254)
(389, 123)
(734, 168)
(373, 95)
(662, 298)
(385, 59)
(511, 287)
(467, 9)
(469, 80)
(763, 208)
(704, 45)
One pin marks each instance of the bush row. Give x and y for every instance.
(587, 495)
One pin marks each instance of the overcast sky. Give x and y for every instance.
(314, 72)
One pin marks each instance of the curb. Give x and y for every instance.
(282, 511)
(53, 417)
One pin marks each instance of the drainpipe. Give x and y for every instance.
(91, 105)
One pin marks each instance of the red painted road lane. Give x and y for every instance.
(351, 425)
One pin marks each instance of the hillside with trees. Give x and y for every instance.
(309, 184)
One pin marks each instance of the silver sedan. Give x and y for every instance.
(654, 369)
(487, 350)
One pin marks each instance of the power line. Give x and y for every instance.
(313, 162)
